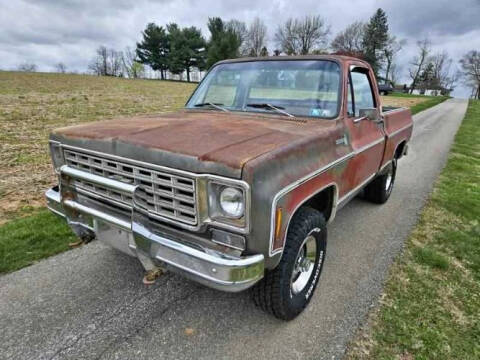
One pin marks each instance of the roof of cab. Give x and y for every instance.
(338, 58)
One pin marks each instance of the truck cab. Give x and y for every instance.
(235, 191)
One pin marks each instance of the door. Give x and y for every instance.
(365, 127)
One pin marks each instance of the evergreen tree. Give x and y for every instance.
(224, 42)
(375, 39)
(154, 48)
(186, 49)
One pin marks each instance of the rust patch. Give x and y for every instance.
(228, 138)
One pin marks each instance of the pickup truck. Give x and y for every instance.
(236, 190)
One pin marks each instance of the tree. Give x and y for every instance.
(99, 64)
(375, 39)
(264, 51)
(302, 36)
(286, 38)
(391, 49)
(107, 62)
(350, 40)
(153, 49)
(115, 63)
(240, 29)
(186, 49)
(27, 67)
(426, 79)
(255, 38)
(61, 68)
(470, 63)
(224, 42)
(444, 75)
(132, 67)
(419, 62)
(394, 74)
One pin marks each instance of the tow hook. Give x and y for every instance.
(152, 270)
(85, 235)
(152, 275)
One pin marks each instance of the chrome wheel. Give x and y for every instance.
(304, 263)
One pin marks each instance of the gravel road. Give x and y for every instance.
(90, 303)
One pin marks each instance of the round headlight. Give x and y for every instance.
(231, 202)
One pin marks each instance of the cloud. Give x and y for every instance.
(48, 31)
(434, 17)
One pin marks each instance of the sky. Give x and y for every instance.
(46, 32)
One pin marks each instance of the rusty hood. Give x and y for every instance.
(198, 141)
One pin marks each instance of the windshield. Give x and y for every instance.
(291, 87)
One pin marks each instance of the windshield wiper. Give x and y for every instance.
(278, 109)
(215, 105)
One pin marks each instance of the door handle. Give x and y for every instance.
(357, 120)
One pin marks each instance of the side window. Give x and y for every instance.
(362, 91)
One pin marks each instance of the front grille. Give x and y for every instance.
(159, 192)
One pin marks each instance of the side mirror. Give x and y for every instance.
(369, 113)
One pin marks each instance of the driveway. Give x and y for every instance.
(90, 303)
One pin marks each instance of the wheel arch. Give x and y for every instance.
(400, 149)
(324, 200)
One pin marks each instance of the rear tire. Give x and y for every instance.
(286, 291)
(380, 189)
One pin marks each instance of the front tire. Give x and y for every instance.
(380, 189)
(286, 291)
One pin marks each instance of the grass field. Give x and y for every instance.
(430, 308)
(31, 105)
(416, 103)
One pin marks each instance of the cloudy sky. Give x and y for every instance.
(46, 32)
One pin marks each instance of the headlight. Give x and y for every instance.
(228, 204)
(57, 155)
(232, 202)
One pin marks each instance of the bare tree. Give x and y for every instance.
(470, 63)
(27, 67)
(61, 68)
(240, 29)
(255, 38)
(99, 64)
(419, 62)
(350, 40)
(115, 63)
(286, 38)
(392, 48)
(445, 76)
(133, 68)
(107, 62)
(302, 36)
(394, 73)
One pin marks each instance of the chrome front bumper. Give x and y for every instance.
(128, 234)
